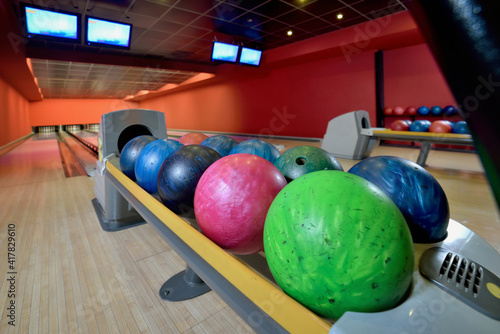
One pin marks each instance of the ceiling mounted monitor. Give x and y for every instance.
(107, 33)
(224, 52)
(251, 57)
(49, 24)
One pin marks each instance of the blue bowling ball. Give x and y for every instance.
(150, 160)
(450, 110)
(257, 147)
(417, 194)
(179, 175)
(460, 127)
(436, 111)
(221, 143)
(420, 126)
(130, 154)
(423, 111)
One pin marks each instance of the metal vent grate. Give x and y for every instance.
(455, 267)
(463, 278)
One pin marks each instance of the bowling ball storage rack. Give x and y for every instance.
(245, 284)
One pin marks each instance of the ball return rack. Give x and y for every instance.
(350, 136)
(246, 285)
(426, 139)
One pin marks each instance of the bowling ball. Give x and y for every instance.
(420, 126)
(450, 110)
(258, 147)
(336, 243)
(460, 127)
(415, 191)
(423, 111)
(193, 138)
(179, 174)
(150, 160)
(232, 199)
(440, 126)
(411, 111)
(221, 143)
(398, 111)
(436, 111)
(400, 125)
(388, 111)
(305, 159)
(130, 154)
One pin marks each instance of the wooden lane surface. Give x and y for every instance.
(72, 277)
(75, 278)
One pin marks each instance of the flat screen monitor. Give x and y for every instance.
(250, 57)
(225, 52)
(100, 32)
(50, 24)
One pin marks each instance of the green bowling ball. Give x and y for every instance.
(335, 243)
(301, 160)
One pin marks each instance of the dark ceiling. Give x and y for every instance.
(181, 32)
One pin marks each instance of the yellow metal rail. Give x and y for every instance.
(287, 312)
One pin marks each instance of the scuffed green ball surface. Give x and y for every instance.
(336, 243)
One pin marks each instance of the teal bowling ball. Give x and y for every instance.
(436, 111)
(130, 154)
(301, 160)
(460, 127)
(221, 143)
(420, 126)
(415, 192)
(150, 160)
(423, 111)
(257, 147)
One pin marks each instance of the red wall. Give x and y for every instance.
(14, 114)
(73, 111)
(296, 100)
(412, 77)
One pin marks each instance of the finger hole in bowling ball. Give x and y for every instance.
(301, 161)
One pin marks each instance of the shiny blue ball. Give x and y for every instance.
(149, 162)
(416, 193)
(257, 147)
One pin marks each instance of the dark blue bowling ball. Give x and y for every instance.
(417, 194)
(436, 111)
(150, 160)
(423, 111)
(221, 143)
(460, 127)
(179, 174)
(257, 147)
(301, 160)
(420, 126)
(130, 154)
(450, 110)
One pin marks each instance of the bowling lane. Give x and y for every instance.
(36, 160)
(88, 136)
(85, 157)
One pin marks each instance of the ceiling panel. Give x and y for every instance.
(183, 31)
